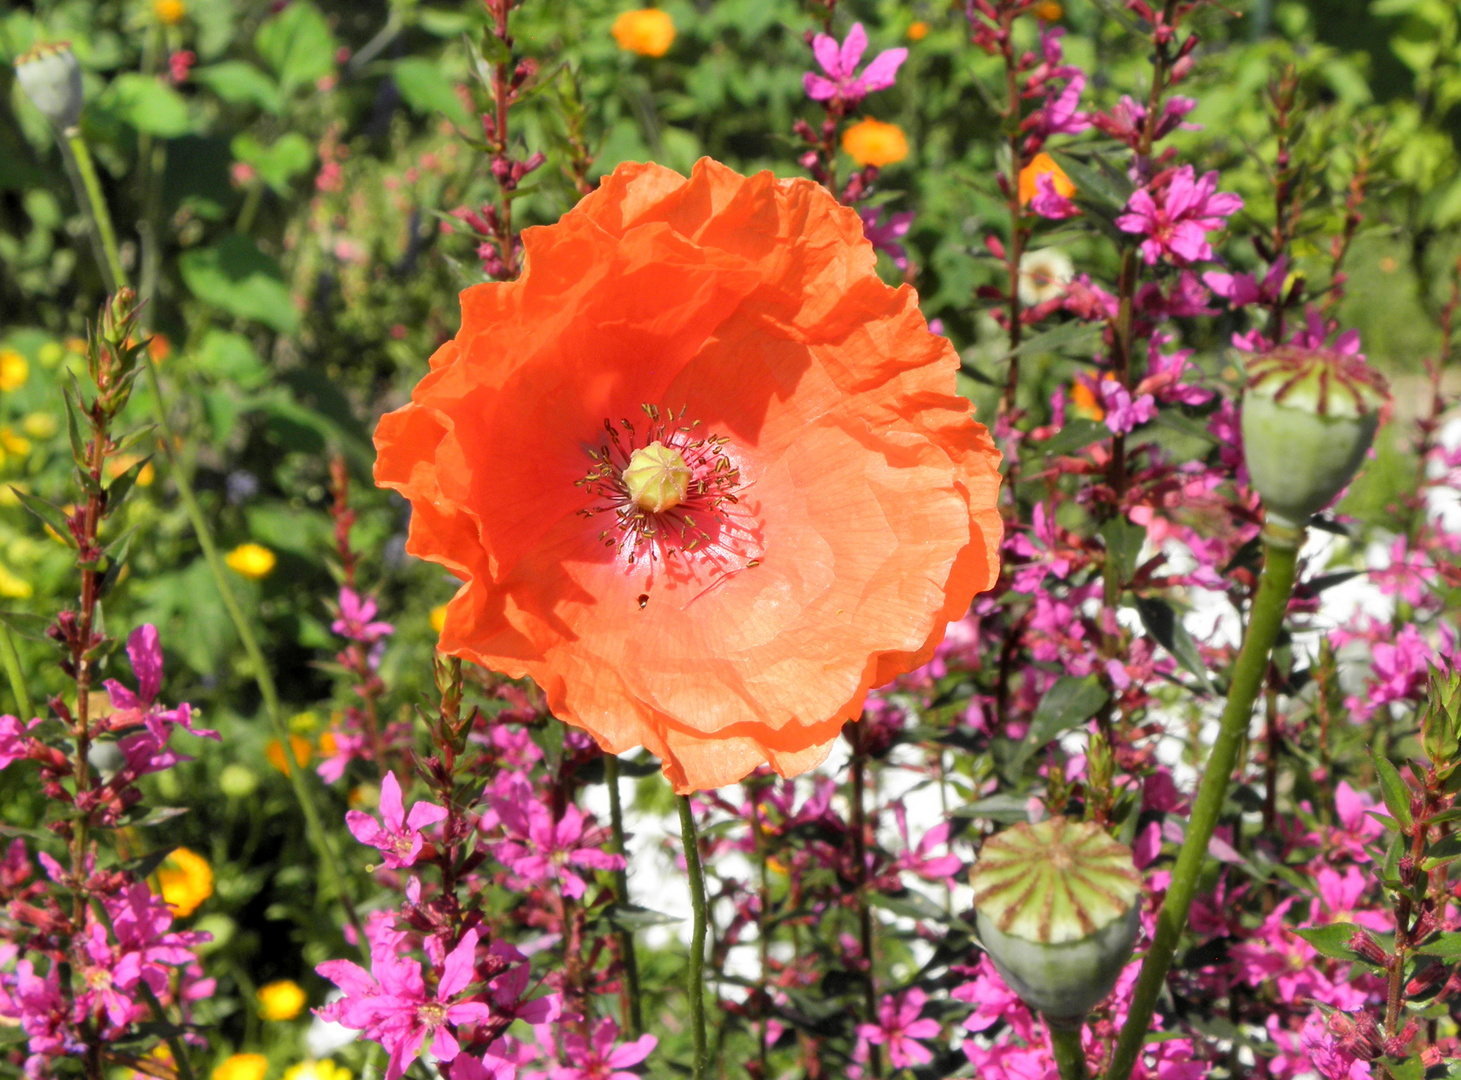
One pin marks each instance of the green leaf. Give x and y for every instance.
(49, 514)
(230, 357)
(146, 865)
(1066, 337)
(1331, 940)
(121, 486)
(1076, 435)
(297, 45)
(1004, 808)
(1095, 186)
(239, 83)
(1123, 541)
(1447, 946)
(235, 276)
(29, 626)
(1393, 789)
(428, 91)
(632, 917)
(279, 163)
(1069, 702)
(1162, 624)
(147, 104)
(442, 23)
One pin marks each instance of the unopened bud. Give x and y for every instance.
(1309, 416)
(1057, 912)
(51, 78)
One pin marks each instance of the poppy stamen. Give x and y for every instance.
(669, 491)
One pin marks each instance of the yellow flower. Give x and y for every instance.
(438, 617)
(39, 425)
(169, 12)
(1049, 11)
(242, 1067)
(14, 444)
(274, 751)
(280, 1000)
(648, 32)
(14, 370)
(918, 31)
(317, 1070)
(185, 880)
(253, 561)
(872, 142)
(13, 587)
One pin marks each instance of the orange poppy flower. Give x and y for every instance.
(704, 476)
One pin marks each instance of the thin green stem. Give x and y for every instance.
(11, 659)
(695, 981)
(1281, 550)
(634, 1021)
(96, 209)
(1065, 1046)
(262, 676)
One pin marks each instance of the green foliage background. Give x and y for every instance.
(297, 315)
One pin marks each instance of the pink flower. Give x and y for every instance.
(547, 851)
(597, 1058)
(1128, 119)
(1124, 413)
(1164, 374)
(397, 835)
(145, 652)
(1241, 290)
(886, 236)
(355, 619)
(1050, 203)
(846, 84)
(899, 1027)
(392, 1006)
(1176, 219)
(921, 860)
(14, 744)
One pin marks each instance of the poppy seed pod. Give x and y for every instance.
(1309, 416)
(51, 78)
(1057, 912)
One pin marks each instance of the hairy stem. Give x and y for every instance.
(1269, 607)
(695, 980)
(1065, 1047)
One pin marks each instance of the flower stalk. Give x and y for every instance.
(634, 1012)
(695, 979)
(1065, 1047)
(1281, 550)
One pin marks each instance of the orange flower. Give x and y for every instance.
(1039, 165)
(918, 31)
(704, 476)
(872, 142)
(1049, 10)
(648, 32)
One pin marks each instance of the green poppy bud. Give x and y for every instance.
(51, 78)
(1057, 911)
(1309, 416)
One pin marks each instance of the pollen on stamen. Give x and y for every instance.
(671, 489)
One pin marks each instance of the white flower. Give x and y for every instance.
(1044, 274)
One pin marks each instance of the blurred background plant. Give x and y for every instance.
(300, 187)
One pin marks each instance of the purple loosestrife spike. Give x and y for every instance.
(1057, 912)
(1309, 416)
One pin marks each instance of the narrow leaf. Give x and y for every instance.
(49, 514)
(1162, 624)
(1069, 702)
(1393, 789)
(1332, 940)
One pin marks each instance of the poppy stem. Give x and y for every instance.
(1065, 1047)
(1264, 622)
(634, 1021)
(695, 983)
